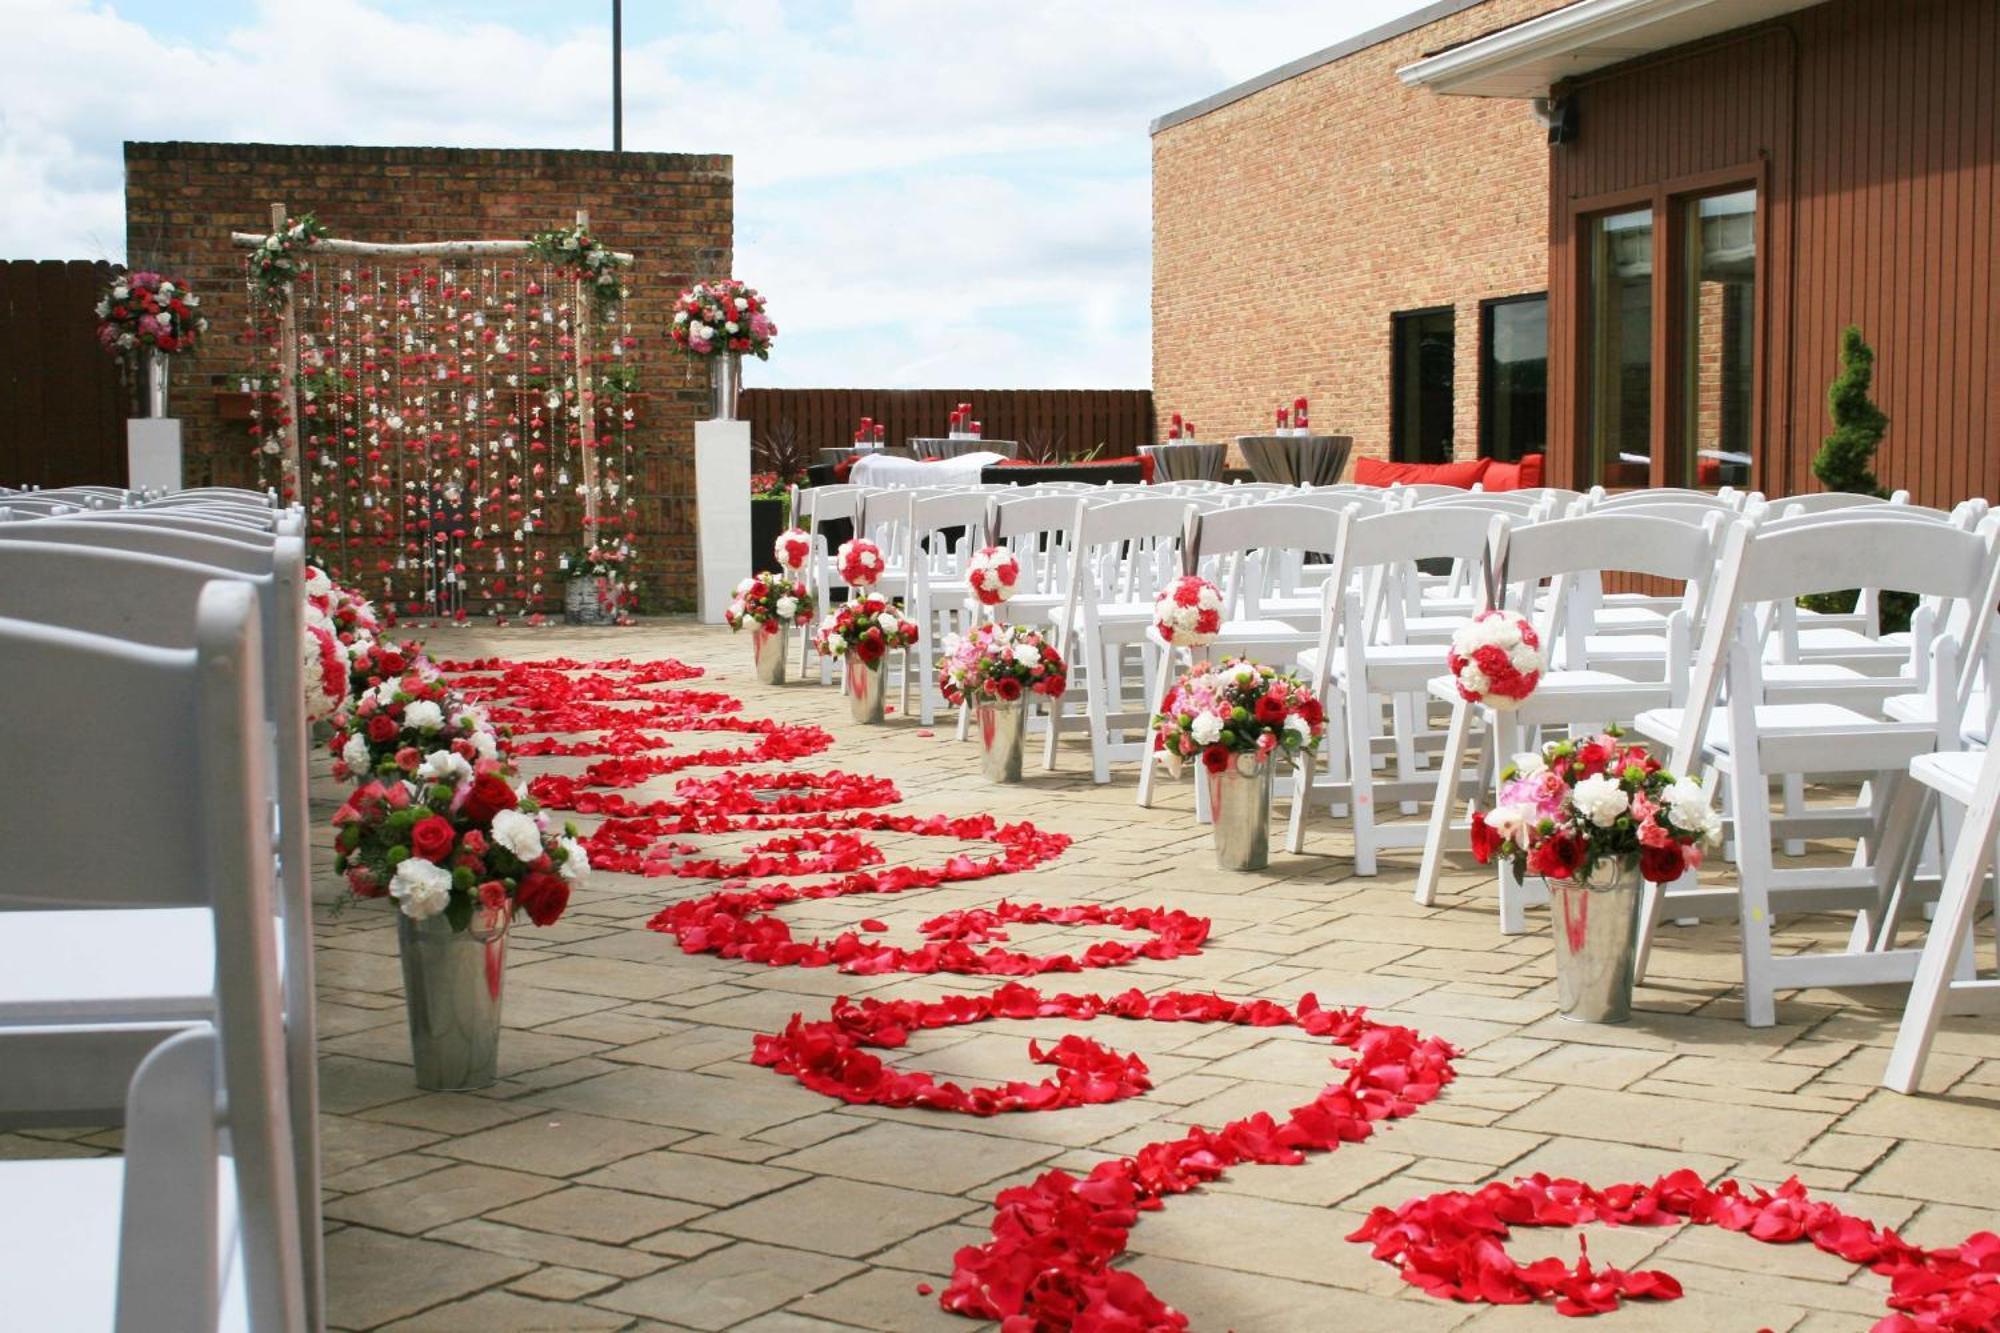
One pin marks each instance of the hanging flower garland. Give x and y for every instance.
(577, 252)
(144, 311)
(276, 264)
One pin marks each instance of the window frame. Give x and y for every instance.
(1487, 367)
(1396, 391)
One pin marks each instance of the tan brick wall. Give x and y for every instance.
(672, 211)
(1288, 226)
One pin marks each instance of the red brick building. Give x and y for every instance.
(1324, 230)
(673, 212)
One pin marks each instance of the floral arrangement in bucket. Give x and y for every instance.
(1188, 612)
(1496, 659)
(1219, 710)
(793, 548)
(770, 601)
(575, 251)
(860, 562)
(867, 627)
(148, 312)
(1578, 806)
(1002, 663)
(457, 844)
(401, 725)
(721, 316)
(994, 572)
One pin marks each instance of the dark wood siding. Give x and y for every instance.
(62, 407)
(1871, 129)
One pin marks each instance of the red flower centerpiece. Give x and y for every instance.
(994, 572)
(860, 562)
(145, 311)
(998, 669)
(721, 316)
(793, 548)
(1188, 613)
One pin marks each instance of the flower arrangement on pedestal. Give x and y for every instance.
(860, 562)
(722, 316)
(770, 602)
(1003, 663)
(792, 549)
(994, 572)
(578, 253)
(1188, 612)
(143, 312)
(453, 843)
(1581, 806)
(1220, 709)
(1496, 659)
(866, 627)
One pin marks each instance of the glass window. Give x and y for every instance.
(1621, 349)
(1514, 377)
(1718, 328)
(1420, 426)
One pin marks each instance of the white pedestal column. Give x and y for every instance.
(153, 453)
(722, 512)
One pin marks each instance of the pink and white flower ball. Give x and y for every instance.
(793, 549)
(1188, 613)
(324, 667)
(1496, 659)
(861, 562)
(994, 572)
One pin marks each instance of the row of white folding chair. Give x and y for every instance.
(161, 812)
(1729, 725)
(137, 575)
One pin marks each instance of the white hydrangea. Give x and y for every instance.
(1297, 722)
(423, 888)
(787, 607)
(423, 715)
(518, 833)
(577, 865)
(1601, 799)
(355, 755)
(1027, 654)
(1206, 728)
(444, 766)
(1688, 806)
(1530, 764)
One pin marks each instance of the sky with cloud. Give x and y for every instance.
(950, 193)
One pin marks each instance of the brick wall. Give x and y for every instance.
(1289, 225)
(672, 211)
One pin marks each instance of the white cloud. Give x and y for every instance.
(930, 193)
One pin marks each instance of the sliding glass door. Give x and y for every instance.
(1621, 349)
(1718, 339)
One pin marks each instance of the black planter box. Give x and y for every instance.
(767, 520)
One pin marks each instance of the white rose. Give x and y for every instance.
(1601, 799)
(1512, 822)
(120, 292)
(423, 715)
(729, 326)
(1297, 722)
(1027, 654)
(355, 755)
(444, 766)
(487, 744)
(787, 607)
(889, 622)
(1687, 805)
(422, 888)
(518, 833)
(385, 693)
(1530, 764)
(1206, 728)
(577, 865)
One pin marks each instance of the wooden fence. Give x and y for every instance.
(62, 405)
(790, 426)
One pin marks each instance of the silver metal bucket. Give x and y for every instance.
(864, 689)
(767, 646)
(1597, 934)
(1003, 726)
(155, 372)
(725, 385)
(590, 600)
(1240, 797)
(451, 982)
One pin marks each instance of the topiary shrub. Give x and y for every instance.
(1846, 460)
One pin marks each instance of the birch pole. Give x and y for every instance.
(586, 395)
(288, 377)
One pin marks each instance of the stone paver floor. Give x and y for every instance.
(633, 1170)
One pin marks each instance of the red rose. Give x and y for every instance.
(1271, 710)
(1661, 865)
(363, 883)
(543, 897)
(1007, 688)
(493, 896)
(1485, 841)
(432, 838)
(382, 728)
(1053, 686)
(1593, 757)
(408, 758)
(490, 795)
(1557, 856)
(1215, 758)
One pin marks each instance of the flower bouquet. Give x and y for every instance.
(461, 850)
(996, 669)
(722, 316)
(769, 604)
(860, 633)
(148, 312)
(1236, 715)
(1188, 612)
(1584, 814)
(1496, 659)
(994, 572)
(860, 562)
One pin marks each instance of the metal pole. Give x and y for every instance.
(617, 76)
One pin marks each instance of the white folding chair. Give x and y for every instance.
(938, 590)
(171, 1237)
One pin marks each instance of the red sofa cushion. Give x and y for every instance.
(1523, 475)
(1376, 472)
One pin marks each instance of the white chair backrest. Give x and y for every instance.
(1125, 550)
(242, 554)
(184, 521)
(1824, 502)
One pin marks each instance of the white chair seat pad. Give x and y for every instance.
(1918, 708)
(122, 965)
(59, 1244)
(1779, 722)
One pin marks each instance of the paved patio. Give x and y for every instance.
(633, 1170)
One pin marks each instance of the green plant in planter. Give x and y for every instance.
(1846, 461)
